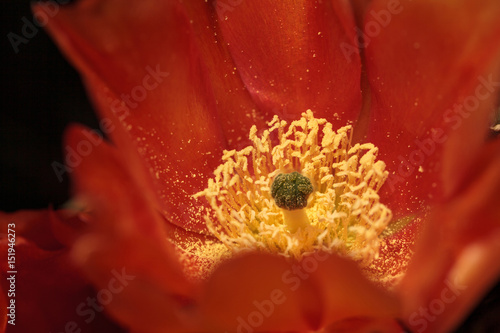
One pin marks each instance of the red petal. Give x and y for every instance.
(127, 235)
(48, 290)
(360, 8)
(346, 293)
(33, 225)
(296, 56)
(316, 292)
(143, 69)
(456, 261)
(255, 292)
(67, 225)
(237, 111)
(425, 58)
(365, 325)
(119, 207)
(146, 293)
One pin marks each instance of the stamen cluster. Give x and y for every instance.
(344, 211)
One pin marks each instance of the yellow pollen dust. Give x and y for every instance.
(343, 212)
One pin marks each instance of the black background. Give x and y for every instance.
(41, 95)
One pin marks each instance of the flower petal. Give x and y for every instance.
(295, 56)
(127, 237)
(67, 225)
(427, 64)
(235, 107)
(33, 225)
(315, 293)
(365, 325)
(49, 290)
(254, 292)
(119, 208)
(456, 261)
(345, 292)
(145, 296)
(144, 71)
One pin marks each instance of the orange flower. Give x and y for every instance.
(177, 84)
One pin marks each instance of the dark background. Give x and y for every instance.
(41, 95)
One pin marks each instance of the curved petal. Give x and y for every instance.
(145, 295)
(431, 70)
(345, 292)
(33, 225)
(296, 55)
(314, 293)
(67, 225)
(235, 107)
(143, 69)
(258, 292)
(126, 238)
(50, 292)
(456, 260)
(118, 207)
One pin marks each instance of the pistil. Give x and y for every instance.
(290, 192)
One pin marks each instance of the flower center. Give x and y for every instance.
(299, 188)
(290, 192)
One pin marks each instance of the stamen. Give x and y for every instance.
(342, 215)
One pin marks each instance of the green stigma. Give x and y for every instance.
(291, 190)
